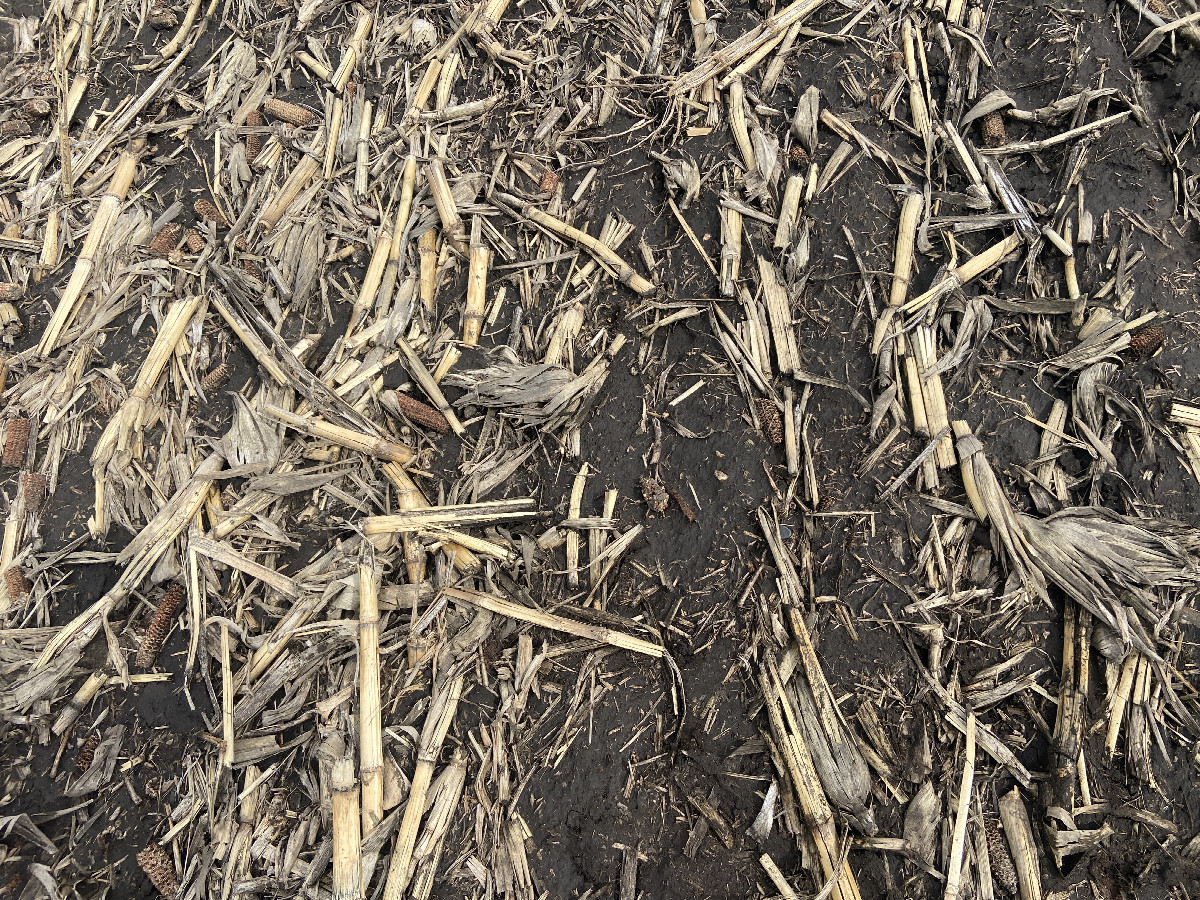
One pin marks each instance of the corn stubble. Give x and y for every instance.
(427, 225)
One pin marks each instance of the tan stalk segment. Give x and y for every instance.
(347, 833)
(503, 607)
(573, 511)
(378, 447)
(807, 786)
(789, 209)
(477, 272)
(603, 254)
(391, 271)
(409, 498)
(954, 872)
(916, 93)
(971, 269)
(1015, 819)
(461, 514)
(748, 43)
(427, 247)
(131, 417)
(371, 280)
(445, 794)
(370, 727)
(779, 311)
(106, 216)
(731, 250)
(737, 124)
(437, 724)
(935, 397)
(906, 235)
(443, 199)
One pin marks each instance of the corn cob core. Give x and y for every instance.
(160, 625)
(167, 239)
(992, 129)
(1004, 873)
(17, 583)
(768, 414)
(1147, 340)
(421, 413)
(16, 438)
(288, 112)
(87, 752)
(206, 210)
(159, 868)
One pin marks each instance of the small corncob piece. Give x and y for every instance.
(36, 108)
(549, 182)
(1004, 873)
(161, 17)
(14, 128)
(1146, 341)
(215, 380)
(87, 752)
(167, 240)
(654, 494)
(421, 413)
(208, 212)
(16, 439)
(992, 129)
(1161, 10)
(288, 112)
(254, 119)
(35, 486)
(160, 625)
(17, 582)
(159, 868)
(10, 291)
(797, 156)
(193, 240)
(772, 422)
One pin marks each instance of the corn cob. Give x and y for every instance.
(166, 240)
(36, 108)
(288, 112)
(17, 583)
(160, 625)
(159, 868)
(193, 240)
(991, 127)
(421, 413)
(1146, 341)
(254, 119)
(208, 212)
(768, 415)
(87, 752)
(216, 379)
(16, 438)
(35, 486)
(161, 17)
(1003, 871)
